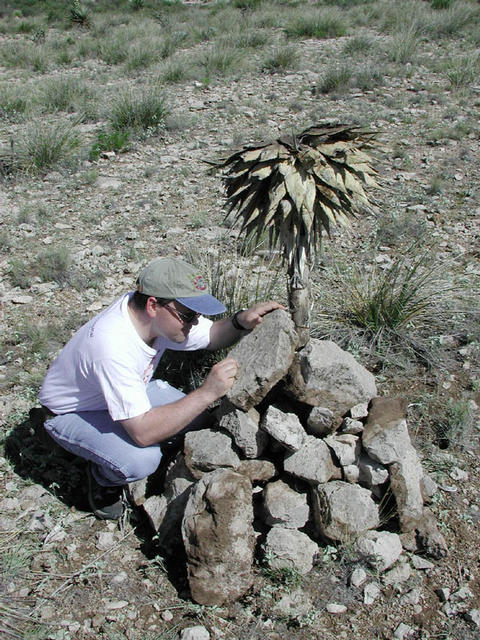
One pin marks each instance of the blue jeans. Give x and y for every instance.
(116, 458)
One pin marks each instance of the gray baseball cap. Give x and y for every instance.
(175, 279)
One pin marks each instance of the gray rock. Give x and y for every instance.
(473, 616)
(398, 575)
(371, 592)
(428, 487)
(136, 491)
(195, 633)
(386, 440)
(351, 473)
(358, 577)
(404, 632)
(312, 462)
(360, 410)
(320, 421)
(217, 531)
(165, 512)
(429, 537)
(284, 506)
(324, 375)
(257, 470)
(343, 511)
(293, 605)
(371, 472)
(289, 549)
(244, 429)
(420, 563)
(285, 428)
(335, 608)
(349, 425)
(264, 357)
(381, 549)
(345, 446)
(207, 450)
(385, 437)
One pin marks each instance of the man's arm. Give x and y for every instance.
(223, 333)
(160, 423)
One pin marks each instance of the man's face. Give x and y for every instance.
(174, 321)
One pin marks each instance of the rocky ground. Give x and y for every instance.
(67, 575)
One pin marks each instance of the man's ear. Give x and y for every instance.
(151, 307)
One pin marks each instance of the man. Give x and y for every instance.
(98, 396)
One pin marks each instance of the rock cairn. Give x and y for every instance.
(303, 454)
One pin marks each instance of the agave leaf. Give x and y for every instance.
(276, 195)
(335, 149)
(310, 192)
(358, 157)
(296, 188)
(284, 168)
(330, 176)
(251, 154)
(274, 151)
(262, 172)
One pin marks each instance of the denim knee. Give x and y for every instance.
(141, 463)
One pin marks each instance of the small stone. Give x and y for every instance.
(458, 474)
(358, 577)
(105, 540)
(371, 593)
(359, 411)
(403, 632)
(473, 616)
(333, 607)
(351, 426)
(422, 563)
(412, 597)
(113, 605)
(464, 593)
(195, 633)
(443, 594)
(167, 615)
(22, 299)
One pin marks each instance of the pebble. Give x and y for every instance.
(371, 593)
(358, 577)
(421, 563)
(22, 299)
(335, 608)
(403, 632)
(167, 615)
(473, 616)
(113, 605)
(105, 540)
(195, 633)
(443, 594)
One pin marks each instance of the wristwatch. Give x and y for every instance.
(235, 322)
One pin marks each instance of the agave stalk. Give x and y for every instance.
(295, 188)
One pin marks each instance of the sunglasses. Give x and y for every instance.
(187, 318)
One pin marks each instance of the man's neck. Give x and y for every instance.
(141, 323)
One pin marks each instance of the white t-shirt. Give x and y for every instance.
(106, 365)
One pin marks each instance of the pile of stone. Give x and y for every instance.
(303, 454)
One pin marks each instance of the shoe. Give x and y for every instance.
(105, 502)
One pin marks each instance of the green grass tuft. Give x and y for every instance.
(139, 111)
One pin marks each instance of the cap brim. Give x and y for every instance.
(207, 305)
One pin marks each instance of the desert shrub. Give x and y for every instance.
(14, 104)
(404, 44)
(319, 24)
(368, 77)
(463, 71)
(358, 45)
(334, 80)
(139, 110)
(109, 141)
(142, 55)
(45, 145)
(61, 93)
(175, 70)
(282, 58)
(220, 60)
(440, 4)
(19, 273)
(136, 5)
(79, 14)
(53, 264)
(251, 39)
(29, 55)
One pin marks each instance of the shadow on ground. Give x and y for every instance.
(35, 456)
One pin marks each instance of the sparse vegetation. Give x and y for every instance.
(167, 86)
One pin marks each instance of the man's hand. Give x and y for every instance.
(252, 317)
(221, 378)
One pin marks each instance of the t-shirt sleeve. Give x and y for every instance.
(123, 389)
(198, 338)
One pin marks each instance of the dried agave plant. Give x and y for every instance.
(295, 188)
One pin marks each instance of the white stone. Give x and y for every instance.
(320, 421)
(312, 462)
(403, 632)
(473, 616)
(284, 506)
(285, 428)
(290, 549)
(371, 593)
(360, 410)
(381, 549)
(349, 425)
(345, 446)
(358, 577)
(335, 608)
(195, 633)
(422, 563)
